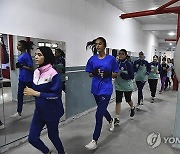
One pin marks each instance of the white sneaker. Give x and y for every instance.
(137, 107)
(15, 116)
(132, 112)
(92, 145)
(152, 100)
(116, 121)
(111, 128)
(2, 126)
(141, 102)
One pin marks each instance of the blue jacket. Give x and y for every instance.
(126, 66)
(124, 82)
(49, 104)
(141, 62)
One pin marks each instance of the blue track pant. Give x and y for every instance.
(102, 102)
(53, 134)
(21, 86)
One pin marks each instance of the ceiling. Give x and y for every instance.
(160, 25)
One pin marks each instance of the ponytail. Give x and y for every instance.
(92, 46)
(27, 45)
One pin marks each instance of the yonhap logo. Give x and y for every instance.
(154, 140)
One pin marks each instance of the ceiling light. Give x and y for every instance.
(171, 33)
(170, 43)
(153, 8)
(40, 44)
(54, 45)
(48, 44)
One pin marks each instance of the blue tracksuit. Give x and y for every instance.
(48, 108)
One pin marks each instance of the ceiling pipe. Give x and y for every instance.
(161, 10)
(150, 12)
(170, 40)
(166, 5)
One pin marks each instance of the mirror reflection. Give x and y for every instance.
(17, 72)
(2, 125)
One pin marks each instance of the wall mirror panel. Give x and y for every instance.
(2, 122)
(17, 127)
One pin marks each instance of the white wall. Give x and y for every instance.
(168, 54)
(151, 46)
(74, 22)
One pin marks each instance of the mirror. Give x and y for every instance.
(17, 127)
(2, 122)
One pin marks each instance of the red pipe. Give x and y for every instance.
(178, 27)
(166, 5)
(150, 12)
(11, 52)
(2, 53)
(170, 39)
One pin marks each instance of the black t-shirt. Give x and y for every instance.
(163, 69)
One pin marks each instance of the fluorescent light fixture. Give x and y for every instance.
(54, 45)
(48, 44)
(171, 33)
(40, 44)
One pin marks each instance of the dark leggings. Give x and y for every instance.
(140, 86)
(167, 82)
(153, 86)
